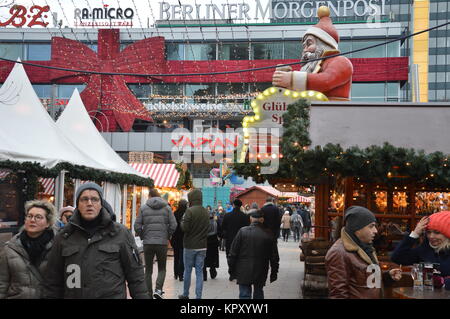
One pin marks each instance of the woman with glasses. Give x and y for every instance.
(23, 259)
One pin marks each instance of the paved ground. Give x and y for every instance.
(286, 287)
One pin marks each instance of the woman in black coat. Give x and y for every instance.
(212, 249)
(177, 241)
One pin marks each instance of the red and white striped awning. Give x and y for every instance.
(163, 175)
(49, 186)
(299, 199)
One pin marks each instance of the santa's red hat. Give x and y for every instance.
(325, 30)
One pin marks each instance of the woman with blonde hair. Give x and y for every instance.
(23, 259)
(435, 247)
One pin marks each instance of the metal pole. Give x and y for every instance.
(124, 205)
(416, 82)
(59, 190)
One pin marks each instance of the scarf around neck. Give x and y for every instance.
(36, 246)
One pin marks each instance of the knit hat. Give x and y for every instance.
(66, 209)
(255, 213)
(357, 217)
(324, 30)
(86, 186)
(440, 222)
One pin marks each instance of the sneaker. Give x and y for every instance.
(158, 294)
(213, 272)
(183, 297)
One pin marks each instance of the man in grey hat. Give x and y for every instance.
(93, 257)
(252, 250)
(352, 266)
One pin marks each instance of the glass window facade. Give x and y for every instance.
(200, 51)
(233, 51)
(11, 51)
(39, 51)
(439, 52)
(267, 51)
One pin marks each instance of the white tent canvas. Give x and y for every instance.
(79, 128)
(28, 133)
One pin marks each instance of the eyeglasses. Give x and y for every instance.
(37, 218)
(94, 200)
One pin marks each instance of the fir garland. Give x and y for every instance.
(385, 164)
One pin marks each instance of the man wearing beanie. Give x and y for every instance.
(352, 266)
(93, 257)
(332, 76)
(435, 247)
(232, 222)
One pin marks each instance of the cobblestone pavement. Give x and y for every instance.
(286, 287)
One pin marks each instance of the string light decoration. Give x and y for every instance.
(256, 104)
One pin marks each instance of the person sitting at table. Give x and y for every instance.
(435, 247)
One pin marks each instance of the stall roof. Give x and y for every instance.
(28, 133)
(163, 175)
(76, 123)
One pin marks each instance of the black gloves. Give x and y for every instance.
(273, 277)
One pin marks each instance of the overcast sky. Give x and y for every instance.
(145, 11)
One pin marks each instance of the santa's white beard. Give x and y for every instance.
(310, 66)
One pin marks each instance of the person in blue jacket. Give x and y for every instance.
(435, 246)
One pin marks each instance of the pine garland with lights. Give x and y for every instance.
(34, 169)
(385, 164)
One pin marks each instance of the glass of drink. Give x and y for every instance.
(428, 276)
(417, 276)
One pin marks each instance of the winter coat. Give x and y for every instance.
(347, 271)
(272, 218)
(306, 218)
(95, 268)
(406, 254)
(296, 220)
(286, 221)
(212, 246)
(231, 224)
(252, 251)
(155, 222)
(195, 222)
(177, 236)
(19, 279)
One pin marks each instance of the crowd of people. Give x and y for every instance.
(82, 252)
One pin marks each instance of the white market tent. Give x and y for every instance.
(79, 128)
(77, 125)
(28, 133)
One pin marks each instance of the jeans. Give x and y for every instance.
(245, 291)
(161, 255)
(296, 232)
(193, 258)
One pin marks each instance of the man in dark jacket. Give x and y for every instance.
(353, 270)
(154, 225)
(93, 257)
(272, 217)
(195, 224)
(232, 222)
(306, 218)
(251, 252)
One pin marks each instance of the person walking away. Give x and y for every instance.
(93, 257)
(296, 224)
(24, 258)
(220, 217)
(306, 218)
(155, 224)
(286, 225)
(435, 246)
(177, 241)
(212, 249)
(272, 218)
(65, 214)
(252, 251)
(195, 224)
(353, 271)
(232, 222)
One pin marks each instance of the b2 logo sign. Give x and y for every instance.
(20, 16)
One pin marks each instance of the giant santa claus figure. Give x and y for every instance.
(331, 76)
